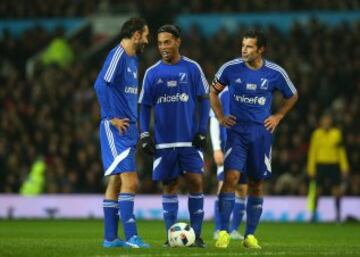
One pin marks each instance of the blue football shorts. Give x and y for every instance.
(117, 149)
(220, 170)
(248, 150)
(170, 163)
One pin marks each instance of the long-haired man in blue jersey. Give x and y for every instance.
(251, 80)
(218, 140)
(176, 88)
(117, 90)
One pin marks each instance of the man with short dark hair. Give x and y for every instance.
(218, 136)
(176, 88)
(251, 80)
(117, 90)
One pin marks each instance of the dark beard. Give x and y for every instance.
(139, 49)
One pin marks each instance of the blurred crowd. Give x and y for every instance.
(47, 117)
(78, 8)
(42, 9)
(55, 115)
(236, 6)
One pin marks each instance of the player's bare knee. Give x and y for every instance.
(255, 188)
(114, 181)
(131, 187)
(170, 190)
(241, 190)
(111, 194)
(171, 187)
(113, 187)
(256, 192)
(129, 182)
(194, 182)
(195, 187)
(230, 181)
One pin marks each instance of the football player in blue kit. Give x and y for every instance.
(218, 139)
(251, 81)
(117, 91)
(176, 89)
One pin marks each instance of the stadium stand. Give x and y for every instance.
(54, 114)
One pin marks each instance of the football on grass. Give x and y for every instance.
(181, 235)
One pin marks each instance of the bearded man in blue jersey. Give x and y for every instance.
(251, 80)
(176, 88)
(117, 91)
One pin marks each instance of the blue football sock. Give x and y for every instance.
(196, 211)
(170, 209)
(226, 206)
(238, 213)
(217, 215)
(253, 213)
(126, 207)
(111, 219)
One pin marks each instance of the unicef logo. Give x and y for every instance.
(262, 100)
(250, 100)
(179, 97)
(184, 97)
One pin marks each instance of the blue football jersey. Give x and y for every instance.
(116, 86)
(251, 90)
(172, 90)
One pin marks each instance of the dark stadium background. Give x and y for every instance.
(49, 111)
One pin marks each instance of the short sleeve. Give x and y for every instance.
(145, 94)
(114, 65)
(284, 84)
(220, 81)
(202, 86)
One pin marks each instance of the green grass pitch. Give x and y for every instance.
(75, 238)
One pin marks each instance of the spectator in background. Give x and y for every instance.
(59, 51)
(327, 162)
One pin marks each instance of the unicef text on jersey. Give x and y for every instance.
(250, 100)
(131, 90)
(179, 97)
